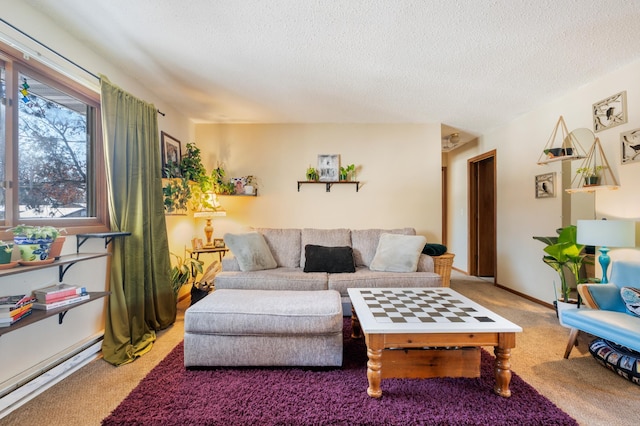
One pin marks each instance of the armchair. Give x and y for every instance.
(606, 315)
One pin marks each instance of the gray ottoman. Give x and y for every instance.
(264, 328)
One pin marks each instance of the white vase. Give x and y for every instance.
(561, 306)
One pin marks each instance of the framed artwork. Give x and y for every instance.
(546, 185)
(171, 149)
(610, 112)
(196, 244)
(218, 242)
(630, 146)
(328, 167)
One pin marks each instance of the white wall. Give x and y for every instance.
(398, 166)
(520, 214)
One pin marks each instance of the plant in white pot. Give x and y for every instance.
(563, 254)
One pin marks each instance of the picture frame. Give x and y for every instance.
(610, 112)
(328, 167)
(171, 149)
(545, 185)
(218, 243)
(630, 146)
(196, 244)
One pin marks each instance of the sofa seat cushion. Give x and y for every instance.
(619, 327)
(272, 279)
(365, 278)
(623, 361)
(260, 312)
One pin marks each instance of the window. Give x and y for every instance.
(51, 164)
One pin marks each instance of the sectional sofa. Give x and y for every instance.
(330, 259)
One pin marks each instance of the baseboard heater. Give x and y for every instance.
(43, 378)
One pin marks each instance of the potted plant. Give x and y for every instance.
(591, 175)
(566, 257)
(346, 171)
(34, 242)
(183, 270)
(6, 251)
(312, 174)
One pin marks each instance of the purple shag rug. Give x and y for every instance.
(173, 395)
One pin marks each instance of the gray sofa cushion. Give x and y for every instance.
(365, 278)
(272, 279)
(251, 251)
(324, 237)
(365, 242)
(284, 244)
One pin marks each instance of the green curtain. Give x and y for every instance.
(142, 299)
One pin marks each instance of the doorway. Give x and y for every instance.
(482, 215)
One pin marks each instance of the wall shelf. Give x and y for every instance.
(328, 185)
(38, 315)
(108, 237)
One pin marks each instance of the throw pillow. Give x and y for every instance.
(328, 259)
(631, 297)
(398, 253)
(251, 251)
(434, 249)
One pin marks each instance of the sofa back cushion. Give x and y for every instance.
(284, 245)
(365, 242)
(323, 237)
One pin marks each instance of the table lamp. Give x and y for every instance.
(212, 209)
(606, 233)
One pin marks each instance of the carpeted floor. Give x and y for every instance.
(172, 395)
(580, 386)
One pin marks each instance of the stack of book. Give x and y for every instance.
(58, 296)
(14, 308)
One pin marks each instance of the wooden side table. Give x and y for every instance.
(195, 254)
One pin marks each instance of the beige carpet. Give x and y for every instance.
(581, 387)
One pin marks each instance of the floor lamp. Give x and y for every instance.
(606, 233)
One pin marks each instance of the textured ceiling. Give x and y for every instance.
(472, 65)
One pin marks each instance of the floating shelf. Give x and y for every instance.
(108, 237)
(593, 188)
(328, 185)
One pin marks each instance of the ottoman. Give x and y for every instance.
(264, 328)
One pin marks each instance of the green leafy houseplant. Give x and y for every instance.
(591, 175)
(346, 171)
(181, 271)
(177, 193)
(312, 173)
(30, 232)
(564, 252)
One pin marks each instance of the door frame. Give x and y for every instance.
(472, 165)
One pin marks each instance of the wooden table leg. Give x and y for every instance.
(506, 341)
(356, 331)
(374, 365)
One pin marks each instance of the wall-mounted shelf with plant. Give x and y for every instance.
(594, 173)
(564, 145)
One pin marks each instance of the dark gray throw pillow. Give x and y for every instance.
(328, 259)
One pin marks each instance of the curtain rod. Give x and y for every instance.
(58, 54)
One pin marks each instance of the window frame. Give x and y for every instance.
(14, 63)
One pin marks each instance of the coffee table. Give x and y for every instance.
(429, 332)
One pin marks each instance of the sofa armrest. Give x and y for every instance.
(443, 265)
(425, 263)
(601, 296)
(230, 264)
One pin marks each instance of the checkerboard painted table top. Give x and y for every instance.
(424, 310)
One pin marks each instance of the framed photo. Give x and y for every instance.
(218, 243)
(630, 146)
(546, 185)
(328, 167)
(610, 112)
(196, 244)
(171, 149)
